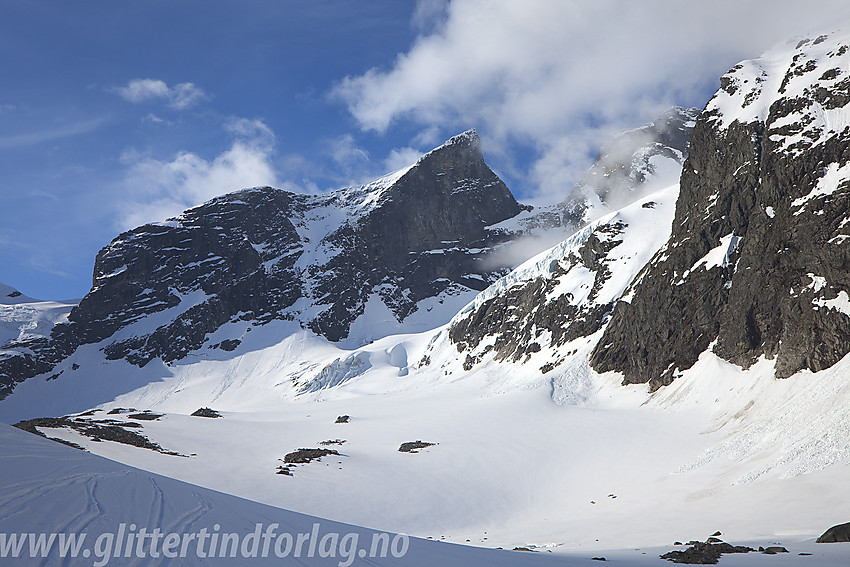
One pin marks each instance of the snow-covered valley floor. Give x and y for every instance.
(622, 470)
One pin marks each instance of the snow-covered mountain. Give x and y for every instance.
(28, 323)
(616, 391)
(634, 164)
(24, 319)
(628, 167)
(553, 305)
(402, 253)
(756, 263)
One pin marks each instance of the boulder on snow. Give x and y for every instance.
(302, 456)
(205, 412)
(146, 415)
(774, 550)
(414, 446)
(836, 534)
(704, 553)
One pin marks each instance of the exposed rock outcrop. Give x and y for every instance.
(756, 264)
(836, 534)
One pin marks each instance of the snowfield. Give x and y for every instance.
(103, 501)
(623, 474)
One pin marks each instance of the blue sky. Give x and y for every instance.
(117, 113)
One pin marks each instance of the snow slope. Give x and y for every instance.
(77, 493)
(24, 318)
(621, 471)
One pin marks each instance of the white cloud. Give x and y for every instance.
(36, 136)
(429, 13)
(562, 75)
(428, 137)
(142, 90)
(153, 118)
(400, 158)
(347, 153)
(181, 96)
(254, 132)
(158, 189)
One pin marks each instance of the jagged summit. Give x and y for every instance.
(465, 141)
(403, 252)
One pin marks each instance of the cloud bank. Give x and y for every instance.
(157, 189)
(560, 76)
(179, 97)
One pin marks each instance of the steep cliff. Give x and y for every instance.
(757, 262)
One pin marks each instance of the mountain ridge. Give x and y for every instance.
(411, 240)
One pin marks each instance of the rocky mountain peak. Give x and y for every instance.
(411, 238)
(467, 143)
(754, 265)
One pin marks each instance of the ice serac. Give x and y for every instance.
(263, 254)
(757, 261)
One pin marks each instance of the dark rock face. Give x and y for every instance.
(836, 534)
(417, 238)
(524, 315)
(765, 190)
(159, 290)
(17, 366)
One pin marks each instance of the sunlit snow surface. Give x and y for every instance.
(48, 489)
